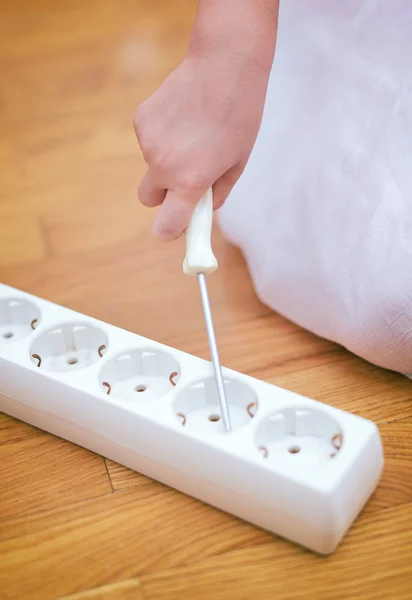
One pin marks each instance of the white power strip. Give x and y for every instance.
(298, 468)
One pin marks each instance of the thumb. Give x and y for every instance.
(174, 215)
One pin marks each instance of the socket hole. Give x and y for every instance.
(140, 375)
(68, 346)
(16, 316)
(314, 434)
(200, 404)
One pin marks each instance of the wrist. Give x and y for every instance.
(236, 30)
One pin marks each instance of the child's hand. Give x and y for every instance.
(196, 131)
(199, 127)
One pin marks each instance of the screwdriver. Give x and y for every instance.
(200, 261)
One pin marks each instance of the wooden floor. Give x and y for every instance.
(77, 526)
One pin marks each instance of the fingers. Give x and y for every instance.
(174, 216)
(150, 193)
(224, 185)
(177, 207)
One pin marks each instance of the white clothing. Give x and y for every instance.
(323, 211)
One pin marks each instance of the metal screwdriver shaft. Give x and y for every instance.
(200, 261)
(214, 352)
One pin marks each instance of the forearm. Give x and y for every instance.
(244, 29)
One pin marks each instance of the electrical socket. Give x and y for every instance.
(197, 406)
(293, 466)
(141, 374)
(18, 319)
(68, 346)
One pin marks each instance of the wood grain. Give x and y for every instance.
(112, 538)
(353, 385)
(71, 230)
(22, 240)
(123, 478)
(39, 471)
(395, 486)
(379, 569)
(125, 590)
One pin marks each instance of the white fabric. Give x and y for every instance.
(323, 211)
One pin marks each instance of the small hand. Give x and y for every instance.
(197, 131)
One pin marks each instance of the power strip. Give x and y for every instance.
(296, 467)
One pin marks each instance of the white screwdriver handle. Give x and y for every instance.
(199, 255)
